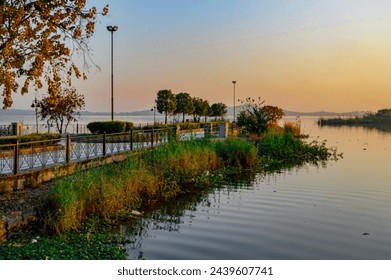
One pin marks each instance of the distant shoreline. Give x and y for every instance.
(20, 112)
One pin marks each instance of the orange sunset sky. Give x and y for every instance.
(302, 55)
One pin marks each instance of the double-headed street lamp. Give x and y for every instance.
(234, 83)
(112, 29)
(36, 104)
(154, 113)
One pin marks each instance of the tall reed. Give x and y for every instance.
(114, 190)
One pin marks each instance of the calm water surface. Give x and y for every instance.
(339, 210)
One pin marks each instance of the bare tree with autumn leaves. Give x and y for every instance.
(37, 41)
(64, 110)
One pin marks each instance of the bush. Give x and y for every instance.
(237, 153)
(293, 128)
(286, 148)
(31, 138)
(189, 126)
(110, 127)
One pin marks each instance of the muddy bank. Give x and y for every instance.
(20, 207)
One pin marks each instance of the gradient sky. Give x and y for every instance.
(304, 55)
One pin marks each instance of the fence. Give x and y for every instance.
(44, 128)
(20, 157)
(6, 130)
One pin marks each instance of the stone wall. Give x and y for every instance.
(3, 228)
(34, 179)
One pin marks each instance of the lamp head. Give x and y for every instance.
(112, 28)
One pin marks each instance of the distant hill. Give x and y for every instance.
(18, 112)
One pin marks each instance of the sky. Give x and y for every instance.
(301, 55)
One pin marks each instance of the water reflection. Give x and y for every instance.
(384, 128)
(300, 212)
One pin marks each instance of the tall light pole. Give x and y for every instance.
(36, 104)
(112, 29)
(234, 83)
(154, 113)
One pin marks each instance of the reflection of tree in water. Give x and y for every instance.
(170, 215)
(378, 127)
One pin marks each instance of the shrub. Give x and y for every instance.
(293, 128)
(189, 126)
(237, 152)
(110, 127)
(31, 138)
(286, 148)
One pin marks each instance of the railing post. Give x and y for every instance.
(131, 139)
(68, 149)
(152, 138)
(104, 143)
(16, 157)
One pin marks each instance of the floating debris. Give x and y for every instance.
(365, 233)
(136, 213)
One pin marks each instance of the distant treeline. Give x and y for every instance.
(382, 116)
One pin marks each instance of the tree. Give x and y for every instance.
(37, 40)
(201, 108)
(219, 110)
(62, 112)
(165, 103)
(184, 104)
(256, 117)
(384, 113)
(272, 114)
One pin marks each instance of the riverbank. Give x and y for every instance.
(380, 118)
(117, 191)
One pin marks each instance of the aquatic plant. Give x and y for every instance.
(94, 241)
(285, 148)
(293, 128)
(113, 190)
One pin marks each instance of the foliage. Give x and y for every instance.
(256, 117)
(165, 103)
(37, 41)
(110, 127)
(189, 126)
(93, 241)
(201, 109)
(31, 138)
(237, 153)
(218, 110)
(272, 114)
(62, 108)
(184, 104)
(113, 191)
(293, 128)
(285, 148)
(382, 116)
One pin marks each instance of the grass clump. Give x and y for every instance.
(105, 192)
(293, 128)
(285, 148)
(236, 152)
(113, 191)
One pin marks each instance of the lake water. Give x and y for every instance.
(337, 210)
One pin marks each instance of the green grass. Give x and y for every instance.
(113, 191)
(80, 207)
(286, 148)
(93, 241)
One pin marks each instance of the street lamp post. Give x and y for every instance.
(234, 83)
(112, 29)
(154, 114)
(36, 104)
